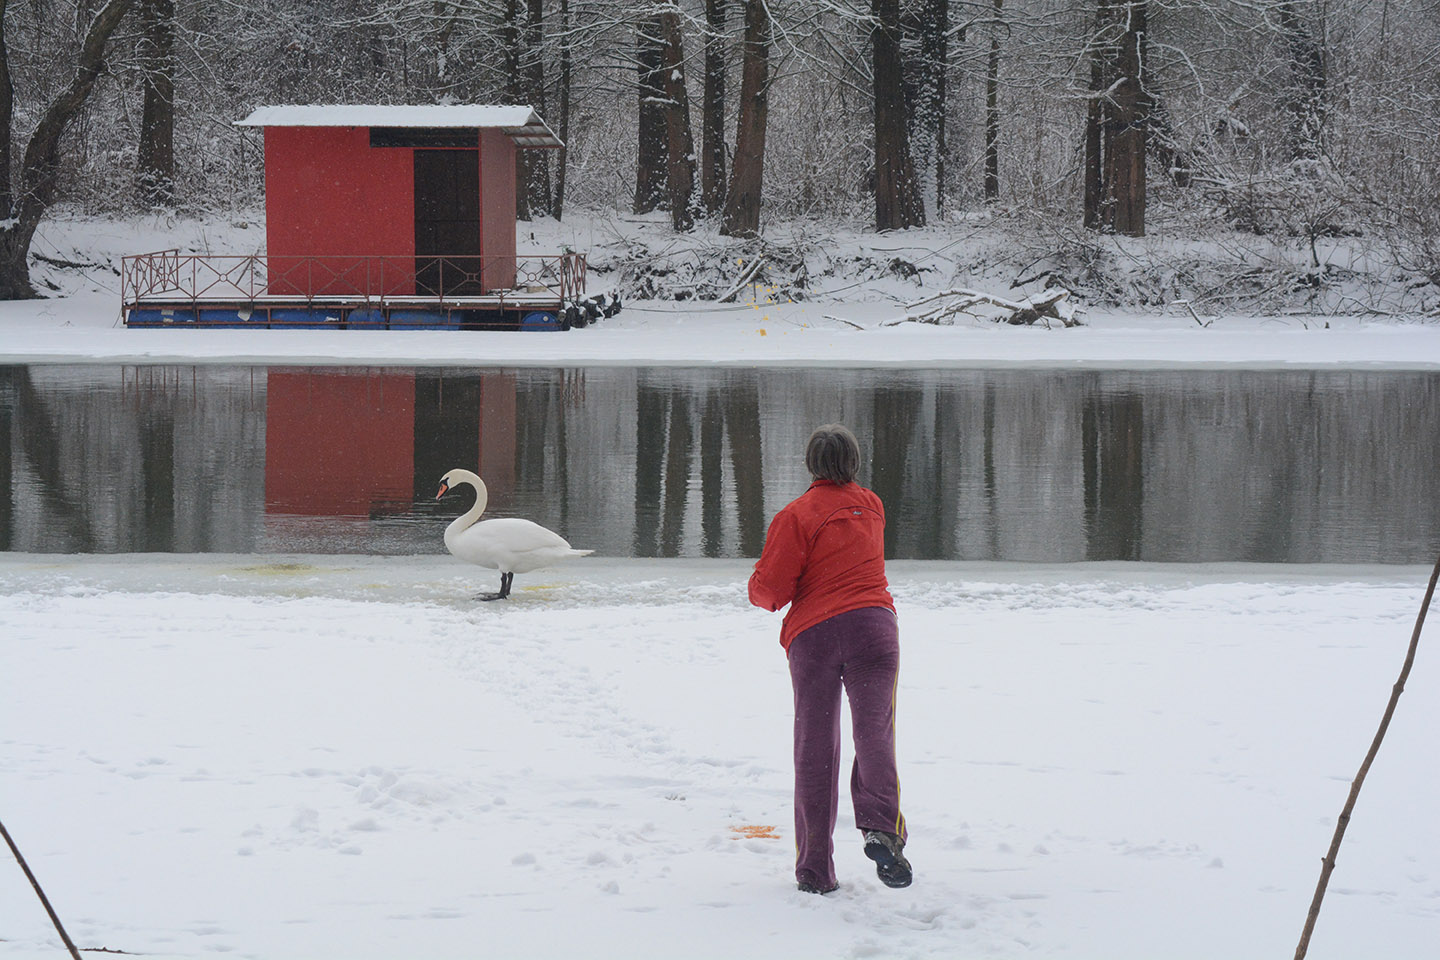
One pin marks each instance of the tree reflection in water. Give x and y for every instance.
(1112, 434)
(666, 432)
(1289, 466)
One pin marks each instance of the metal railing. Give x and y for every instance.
(172, 277)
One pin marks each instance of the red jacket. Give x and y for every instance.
(824, 555)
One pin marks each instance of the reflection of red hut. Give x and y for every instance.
(376, 215)
(338, 444)
(363, 443)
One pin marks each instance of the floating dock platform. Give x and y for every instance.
(541, 292)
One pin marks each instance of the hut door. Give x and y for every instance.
(447, 223)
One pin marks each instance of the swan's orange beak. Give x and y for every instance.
(444, 489)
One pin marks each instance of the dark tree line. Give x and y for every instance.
(741, 111)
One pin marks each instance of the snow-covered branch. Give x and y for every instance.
(945, 307)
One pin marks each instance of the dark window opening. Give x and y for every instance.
(424, 137)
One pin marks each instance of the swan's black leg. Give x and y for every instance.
(505, 579)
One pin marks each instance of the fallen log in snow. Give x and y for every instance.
(747, 276)
(943, 308)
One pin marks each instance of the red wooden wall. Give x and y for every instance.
(328, 193)
(497, 207)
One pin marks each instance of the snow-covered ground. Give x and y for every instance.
(302, 756)
(86, 329)
(292, 757)
(82, 323)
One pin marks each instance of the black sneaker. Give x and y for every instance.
(807, 886)
(890, 864)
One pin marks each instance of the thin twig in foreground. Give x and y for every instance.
(1328, 864)
(39, 893)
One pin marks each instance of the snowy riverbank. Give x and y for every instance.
(85, 329)
(291, 757)
(82, 322)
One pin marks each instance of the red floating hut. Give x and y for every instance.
(376, 216)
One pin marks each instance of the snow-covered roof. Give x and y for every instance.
(521, 123)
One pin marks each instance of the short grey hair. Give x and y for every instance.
(833, 454)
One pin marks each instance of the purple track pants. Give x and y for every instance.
(859, 651)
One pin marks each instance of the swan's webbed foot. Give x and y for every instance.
(505, 581)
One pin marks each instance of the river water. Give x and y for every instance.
(1042, 465)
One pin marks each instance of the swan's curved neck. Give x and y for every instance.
(482, 497)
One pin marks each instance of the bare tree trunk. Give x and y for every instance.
(1117, 120)
(562, 155)
(7, 116)
(742, 201)
(928, 118)
(39, 169)
(512, 42)
(156, 161)
(992, 109)
(1305, 94)
(679, 142)
(897, 199)
(536, 163)
(650, 150)
(712, 121)
(1094, 128)
(1126, 156)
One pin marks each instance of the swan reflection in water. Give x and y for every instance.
(1287, 466)
(508, 544)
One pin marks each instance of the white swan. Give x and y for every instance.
(507, 544)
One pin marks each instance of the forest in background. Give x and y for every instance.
(1298, 120)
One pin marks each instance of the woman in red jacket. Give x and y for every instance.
(825, 556)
